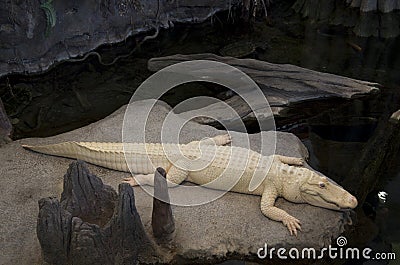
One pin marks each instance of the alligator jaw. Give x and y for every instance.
(320, 201)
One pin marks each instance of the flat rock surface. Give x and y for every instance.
(230, 224)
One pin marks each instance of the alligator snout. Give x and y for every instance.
(351, 202)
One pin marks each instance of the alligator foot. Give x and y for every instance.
(140, 179)
(219, 140)
(292, 224)
(222, 139)
(131, 181)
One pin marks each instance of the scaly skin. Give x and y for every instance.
(286, 178)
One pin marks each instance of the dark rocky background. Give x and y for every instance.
(30, 45)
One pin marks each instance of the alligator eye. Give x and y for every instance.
(322, 185)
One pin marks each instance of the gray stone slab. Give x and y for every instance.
(230, 224)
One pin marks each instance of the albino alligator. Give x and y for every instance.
(295, 183)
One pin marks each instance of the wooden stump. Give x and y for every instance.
(53, 230)
(67, 235)
(84, 195)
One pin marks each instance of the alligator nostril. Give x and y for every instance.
(353, 200)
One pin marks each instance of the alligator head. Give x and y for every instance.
(320, 191)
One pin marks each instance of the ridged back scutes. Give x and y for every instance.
(112, 154)
(140, 148)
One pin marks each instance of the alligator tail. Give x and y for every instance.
(66, 149)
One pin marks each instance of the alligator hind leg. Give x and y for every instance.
(175, 176)
(147, 179)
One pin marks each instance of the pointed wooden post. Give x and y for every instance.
(162, 219)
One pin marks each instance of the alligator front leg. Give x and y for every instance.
(219, 140)
(269, 210)
(289, 160)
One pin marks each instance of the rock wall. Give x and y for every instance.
(378, 18)
(35, 34)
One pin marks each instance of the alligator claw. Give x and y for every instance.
(130, 181)
(292, 224)
(298, 161)
(222, 139)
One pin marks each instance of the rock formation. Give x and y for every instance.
(37, 34)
